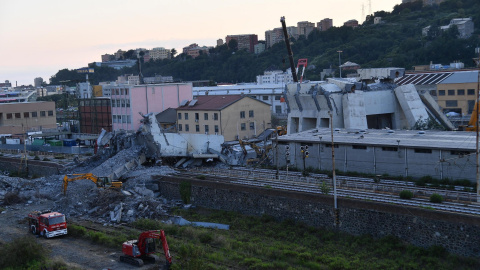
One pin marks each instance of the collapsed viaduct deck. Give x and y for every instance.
(458, 233)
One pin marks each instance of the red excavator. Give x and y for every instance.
(138, 252)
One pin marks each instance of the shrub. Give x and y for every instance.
(201, 177)
(46, 159)
(36, 158)
(186, 191)
(325, 188)
(12, 198)
(22, 252)
(406, 194)
(436, 198)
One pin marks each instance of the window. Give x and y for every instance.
(278, 109)
(471, 92)
(42, 113)
(277, 97)
(34, 114)
(363, 147)
(179, 116)
(129, 120)
(460, 153)
(127, 102)
(215, 116)
(425, 151)
(451, 103)
(243, 126)
(186, 117)
(242, 114)
(461, 92)
(252, 125)
(26, 115)
(118, 103)
(179, 127)
(197, 128)
(18, 115)
(114, 103)
(126, 91)
(392, 149)
(114, 119)
(187, 127)
(216, 128)
(471, 104)
(122, 92)
(250, 113)
(122, 101)
(50, 113)
(196, 117)
(207, 129)
(451, 92)
(441, 92)
(433, 93)
(264, 97)
(205, 116)
(9, 116)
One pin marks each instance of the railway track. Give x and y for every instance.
(350, 187)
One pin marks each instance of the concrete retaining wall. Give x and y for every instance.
(41, 168)
(459, 234)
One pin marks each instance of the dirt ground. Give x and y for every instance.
(74, 252)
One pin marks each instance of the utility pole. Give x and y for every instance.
(333, 172)
(340, 62)
(477, 62)
(276, 156)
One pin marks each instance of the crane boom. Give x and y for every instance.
(289, 49)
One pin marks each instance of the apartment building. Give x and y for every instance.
(325, 24)
(194, 50)
(131, 102)
(159, 53)
(244, 41)
(351, 23)
(305, 28)
(233, 116)
(16, 118)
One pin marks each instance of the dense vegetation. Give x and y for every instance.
(263, 243)
(398, 42)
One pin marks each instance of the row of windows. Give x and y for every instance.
(28, 114)
(250, 114)
(126, 119)
(121, 91)
(206, 128)
(197, 116)
(460, 92)
(120, 103)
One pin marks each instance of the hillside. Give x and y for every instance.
(397, 41)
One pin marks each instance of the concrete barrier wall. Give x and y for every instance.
(459, 234)
(41, 168)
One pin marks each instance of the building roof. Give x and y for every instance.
(462, 77)
(445, 140)
(213, 103)
(423, 78)
(167, 116)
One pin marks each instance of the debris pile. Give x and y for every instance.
(139, 197)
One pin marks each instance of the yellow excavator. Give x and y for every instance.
(472, 124)
(101, 182)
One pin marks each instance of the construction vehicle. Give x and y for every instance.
(281, 130)
(101, 182)
(47, 223)
(138, 252)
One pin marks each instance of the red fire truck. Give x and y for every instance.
(47, 223)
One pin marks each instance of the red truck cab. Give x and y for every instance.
(48, 224)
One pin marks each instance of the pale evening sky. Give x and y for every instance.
(38, 38)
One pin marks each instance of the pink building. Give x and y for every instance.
(130, 102)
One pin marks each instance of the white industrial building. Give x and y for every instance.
(440, 154)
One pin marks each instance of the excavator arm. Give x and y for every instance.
(157, 234)
(101, 182)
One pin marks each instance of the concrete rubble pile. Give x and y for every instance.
(139, 197)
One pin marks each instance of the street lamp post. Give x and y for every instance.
(340, 62)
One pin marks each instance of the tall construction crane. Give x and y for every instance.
(289, 49)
